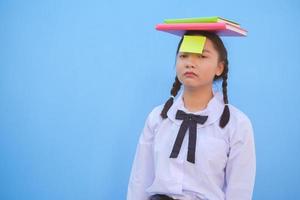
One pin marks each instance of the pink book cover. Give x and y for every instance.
(219, 28)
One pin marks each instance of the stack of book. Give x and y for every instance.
(219, 25)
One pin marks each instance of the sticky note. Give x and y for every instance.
(192, 44)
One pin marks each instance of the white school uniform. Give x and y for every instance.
(225, 161)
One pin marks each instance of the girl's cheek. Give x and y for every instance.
(180, 63)
(178, 69)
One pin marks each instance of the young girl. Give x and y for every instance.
(197, 146)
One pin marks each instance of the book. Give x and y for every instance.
(213, 19)
(220, 28)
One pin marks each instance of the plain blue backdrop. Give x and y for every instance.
(78, 79)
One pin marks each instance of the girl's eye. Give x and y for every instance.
(182, 56)
(202, 56)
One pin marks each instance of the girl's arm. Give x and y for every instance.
(241, 164)
(142, 172)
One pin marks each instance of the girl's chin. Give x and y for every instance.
(191, 86)
(190, 83)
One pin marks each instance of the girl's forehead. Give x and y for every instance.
(208, 43)
(209, 46)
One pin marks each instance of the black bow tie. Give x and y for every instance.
(189, 122)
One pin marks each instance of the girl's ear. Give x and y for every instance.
(220, 68)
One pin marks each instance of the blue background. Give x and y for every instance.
(78, 79)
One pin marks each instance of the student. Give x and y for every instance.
(196, 146)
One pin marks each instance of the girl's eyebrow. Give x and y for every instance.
(205, 50)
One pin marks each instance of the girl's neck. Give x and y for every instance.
(197, 99)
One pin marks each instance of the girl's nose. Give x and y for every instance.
(190, 63)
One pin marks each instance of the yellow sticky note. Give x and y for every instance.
(192, 44)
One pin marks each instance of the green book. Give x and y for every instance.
(212, 19)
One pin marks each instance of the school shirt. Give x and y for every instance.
(225, 160)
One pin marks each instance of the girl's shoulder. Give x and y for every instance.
(154, 118)
(239, 126)
(237, 115)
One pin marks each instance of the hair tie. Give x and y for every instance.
(172, 96)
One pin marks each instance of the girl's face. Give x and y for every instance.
(197, 70)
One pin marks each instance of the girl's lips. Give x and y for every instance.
(190, 74)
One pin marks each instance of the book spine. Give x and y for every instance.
(192, 26)
(192, 20)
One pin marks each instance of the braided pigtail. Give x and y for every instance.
(169, 102)
(226, 113)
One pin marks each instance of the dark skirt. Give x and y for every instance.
(160, 197)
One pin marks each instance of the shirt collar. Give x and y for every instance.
(213, 110)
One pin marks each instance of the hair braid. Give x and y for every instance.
(226, 113)
(169, 102)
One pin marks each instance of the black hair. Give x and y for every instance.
(219, 46)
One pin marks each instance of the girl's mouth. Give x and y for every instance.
(190, 74)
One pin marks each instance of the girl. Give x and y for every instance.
(197, 146)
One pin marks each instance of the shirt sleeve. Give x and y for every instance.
(142, 172)
(241, 164)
